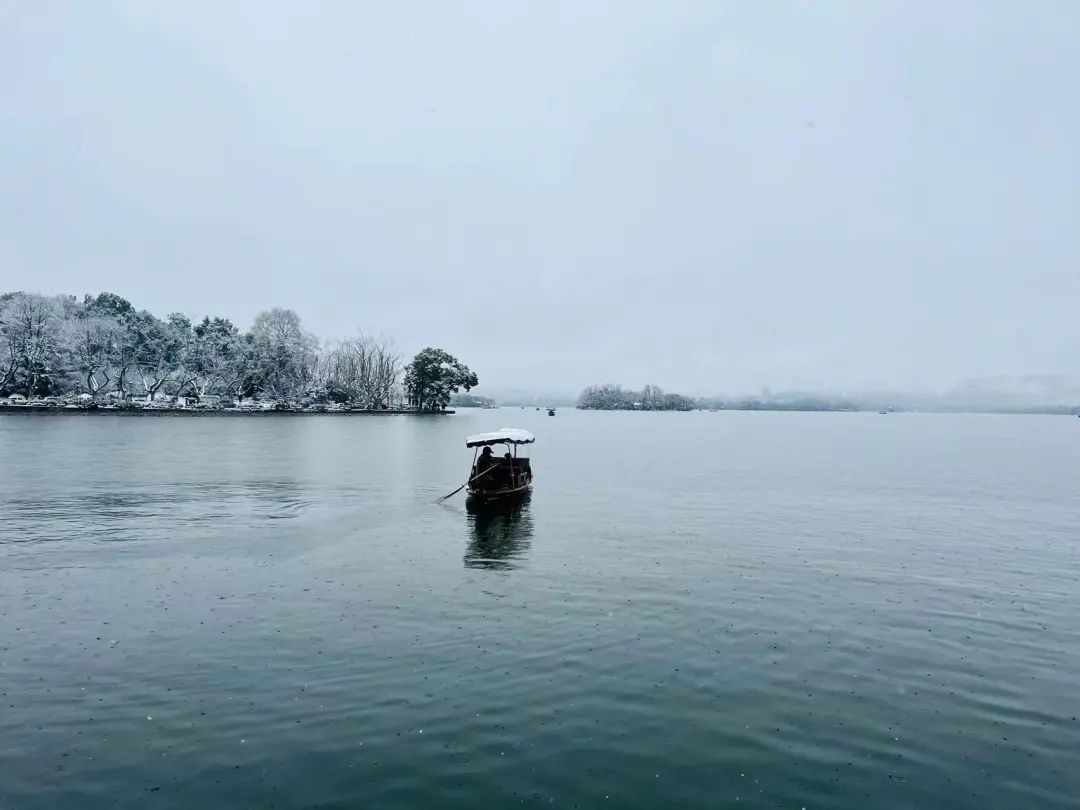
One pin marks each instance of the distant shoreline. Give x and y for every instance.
(1059, 410)
(53, 410)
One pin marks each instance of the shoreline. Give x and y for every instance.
(63, 411)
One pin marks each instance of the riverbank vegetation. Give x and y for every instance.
(101, 349)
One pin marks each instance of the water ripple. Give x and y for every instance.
(780, 624)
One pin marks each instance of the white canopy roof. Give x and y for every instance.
(500, 436)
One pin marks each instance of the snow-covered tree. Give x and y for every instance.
(433, 376)
(32, 327)
(90, 338)
(285, 356)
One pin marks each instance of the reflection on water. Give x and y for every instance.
(499, 535)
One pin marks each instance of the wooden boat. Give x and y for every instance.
(508, 477)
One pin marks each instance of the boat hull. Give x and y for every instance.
(481, 498)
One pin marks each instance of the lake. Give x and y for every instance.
(822, 610)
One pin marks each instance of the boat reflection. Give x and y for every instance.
(499, 535)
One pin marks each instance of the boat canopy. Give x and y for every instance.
(500, 436)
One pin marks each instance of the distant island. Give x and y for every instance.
(611, 397)
(471, 401)
(101, 351)
(616, 398)
(652, 398)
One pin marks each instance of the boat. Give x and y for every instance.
(551, 411)
(510, 477)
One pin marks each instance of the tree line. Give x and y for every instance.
(616, 398)
(103, 346)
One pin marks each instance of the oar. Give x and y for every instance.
(456, 491)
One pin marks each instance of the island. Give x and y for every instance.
(611, 397)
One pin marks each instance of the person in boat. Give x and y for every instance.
(508, 470)
(483, 464)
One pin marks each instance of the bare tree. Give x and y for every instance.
(342, 372)
(313, 369)
(90, 338)
(10, 335)
(33, 326)
(365, 371)
(123, 337)
(286, 357)
(652, 398)
(387, 367)
(240, 375)
(122, 355)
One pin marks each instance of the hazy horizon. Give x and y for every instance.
(710, 198)
(1032, 391)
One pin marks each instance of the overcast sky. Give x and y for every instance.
(713, 196)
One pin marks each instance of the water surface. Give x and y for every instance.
(707, 609)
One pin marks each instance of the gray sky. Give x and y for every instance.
(711, 196)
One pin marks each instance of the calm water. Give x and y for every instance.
(773, 610)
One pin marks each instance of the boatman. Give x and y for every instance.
(484, 463)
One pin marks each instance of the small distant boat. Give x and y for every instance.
(551, 411)
(882, 411)
(509, 477)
